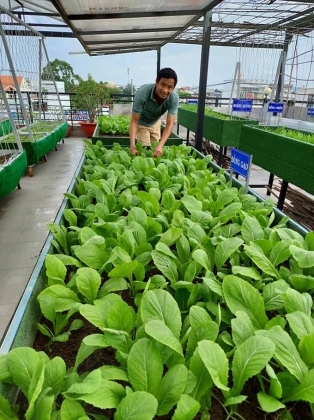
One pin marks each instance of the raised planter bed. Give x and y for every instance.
(158, 303)
(11, 174)
(109, 140)
(285, 157)
(39, 148)
(225, 133)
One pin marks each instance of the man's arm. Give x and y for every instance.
(132, 132)
(166, 133)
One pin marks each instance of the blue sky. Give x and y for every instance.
(256, 64)
(183, 58)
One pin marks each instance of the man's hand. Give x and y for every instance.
(158, 151)
(134, 151)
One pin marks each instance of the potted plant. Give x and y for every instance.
(90, 96)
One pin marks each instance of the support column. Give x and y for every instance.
(203, 80)
(281, 77)
(158, 59)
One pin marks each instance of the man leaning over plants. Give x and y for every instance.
(151, 101)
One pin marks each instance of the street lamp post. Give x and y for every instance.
(267, 92)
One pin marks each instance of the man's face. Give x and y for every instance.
(164, 87)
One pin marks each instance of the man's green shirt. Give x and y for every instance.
(146, 105)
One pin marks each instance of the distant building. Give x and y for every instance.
(305, 95)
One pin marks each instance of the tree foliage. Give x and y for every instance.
(91, 96)
(63, 72)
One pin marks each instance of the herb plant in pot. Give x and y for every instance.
(89, 96)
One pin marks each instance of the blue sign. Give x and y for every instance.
(192, 101)
(275, 107)
(240, 162)
(242, 105)
(310, 111)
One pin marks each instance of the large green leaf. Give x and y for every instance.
(274, 294)
(241, 296)
(92, 256)
(280, 252)
(260, 259)
(250, 272)
(306, 346)
(166, 265)
(55, 372)
(207, 330)
(88, 281)
(286, 352)
(295, 301)
(171, 388)
(204, 381)
(72, 410)
(304, 258)
(89, 385)
(168, 199)
(6, 413)
(160, 332)
(121, 316)
(268, 403)
(55, 269)
(251, 229)
(300, 323)
(200, 256)
(97, 314)
(112, 285)
(138, 215)
(216, 362)
(301, 282)
(242, 328)
(225, 249)
(138, 405)
(108, 395)
(183, 249)
(171, 236)
(305, 390)
(145, 366)
(22, 363)
(160, 305)
(191, 203)
(146, 197)
(63, 298)
(187, 408)
(198, 315)
(249, 359)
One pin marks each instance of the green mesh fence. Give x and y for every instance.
(289, 159)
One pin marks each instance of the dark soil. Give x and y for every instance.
(249, 410)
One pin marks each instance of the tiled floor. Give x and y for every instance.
(24, 214)
(23, 217)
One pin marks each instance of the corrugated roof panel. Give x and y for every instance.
(107, 38)
(100, 18)
(95, 7)
(121, 45)
(131, 24)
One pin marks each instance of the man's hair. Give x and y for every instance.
(167, 73)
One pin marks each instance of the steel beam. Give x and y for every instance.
(203, 81)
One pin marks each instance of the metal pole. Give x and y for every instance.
(203, 80)
(235, 77)
(15, 132)
(282, 195)
(158, 59)
(40, 56)
(281, 78)
(16, 84)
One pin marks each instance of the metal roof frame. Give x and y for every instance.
(235, 23)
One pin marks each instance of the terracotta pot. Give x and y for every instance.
(88, 128)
